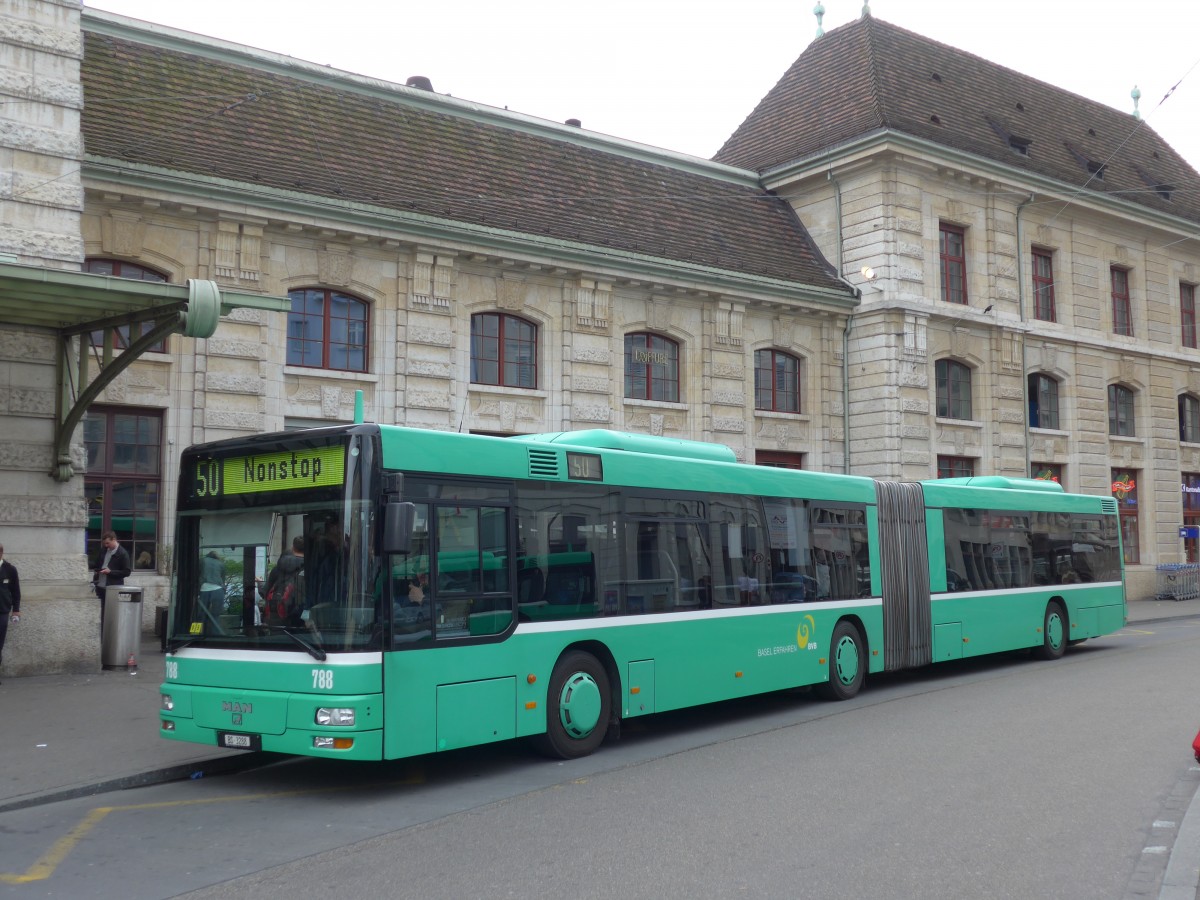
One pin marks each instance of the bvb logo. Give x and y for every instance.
(807, 626)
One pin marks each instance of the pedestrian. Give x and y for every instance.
(10, 596)
(111, 569)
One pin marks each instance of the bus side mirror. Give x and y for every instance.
(399, 518)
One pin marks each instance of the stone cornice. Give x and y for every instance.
(249, 199)
(1019, 182)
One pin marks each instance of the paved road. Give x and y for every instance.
(1000, 778)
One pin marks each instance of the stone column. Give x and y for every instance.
(42, 531)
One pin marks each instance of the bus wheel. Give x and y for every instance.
(578, 707)
(1054, 632)
(847, 663)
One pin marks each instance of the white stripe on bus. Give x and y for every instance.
(625, 621)
(284, 656)
(1036, 589)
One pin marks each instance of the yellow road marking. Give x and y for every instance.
(52, 858)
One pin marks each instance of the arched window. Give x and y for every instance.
(1043, 401)
(503, 350)
(1189, 418)
(953, 389)
(117, 269)
(1120, 411)
(651, 367)
(327, 330)
(776, 381)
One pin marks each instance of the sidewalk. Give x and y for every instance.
(64, 736)
(68, 736)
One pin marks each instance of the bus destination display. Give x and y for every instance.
(261, 473)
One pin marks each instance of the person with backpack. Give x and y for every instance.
(283, 592)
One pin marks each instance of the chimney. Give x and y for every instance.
(574, 123)
(420, 82)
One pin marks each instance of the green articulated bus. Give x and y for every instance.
(372, 592)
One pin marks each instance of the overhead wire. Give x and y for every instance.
(1141, 121)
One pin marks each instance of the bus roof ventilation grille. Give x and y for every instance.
(1109, 504)
(543, 464)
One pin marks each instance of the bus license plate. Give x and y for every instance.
(239, 741)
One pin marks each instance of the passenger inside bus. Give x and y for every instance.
(412, 605)
(327, 569)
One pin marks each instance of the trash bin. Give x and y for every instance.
(122, 637)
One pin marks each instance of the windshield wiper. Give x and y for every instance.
(313, 650)
(172, 648)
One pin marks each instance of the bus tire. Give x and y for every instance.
(847, 663)
(1054, 632)
(578, 707)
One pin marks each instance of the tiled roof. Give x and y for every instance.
(208, 114)
(871, 75)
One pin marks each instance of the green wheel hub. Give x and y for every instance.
(579, 705)
(1055, 630)
(845, 660)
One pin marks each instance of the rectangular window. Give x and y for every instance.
(568, 559)
(989, 550)
(454, 584)
(1121, 420)
(953, 252)
(1189, 419)
(1187, 314)
(1043, 401)
(779, 459)
(817, 551)
(1122, 312)
(1124, 488)
(955, 467)
(1043, 285)
(1191, 513)
(124, 451)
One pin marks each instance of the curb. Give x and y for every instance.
(221, 765)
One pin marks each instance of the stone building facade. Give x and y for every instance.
(603, 251)
(1028, 265)
(838, 290)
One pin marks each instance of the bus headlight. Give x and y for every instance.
(335, 715)
(168, 702)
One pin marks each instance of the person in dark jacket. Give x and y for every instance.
(112, 568)
(290, 568)
(10, 596)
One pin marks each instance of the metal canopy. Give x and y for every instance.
(59, 299)
(75, 304)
